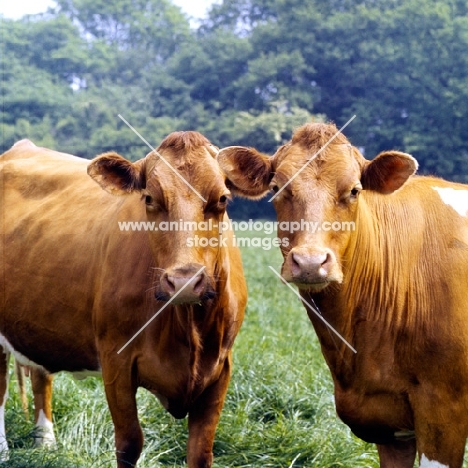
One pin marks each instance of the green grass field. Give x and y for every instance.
(279, 411)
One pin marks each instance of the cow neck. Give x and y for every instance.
(203, 327)
(376, 288)
(384, 264)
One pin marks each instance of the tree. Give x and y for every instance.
(155, 27)
(250, 74)
(398, 65)
(35, 88)
(211, 68)
(400, 68)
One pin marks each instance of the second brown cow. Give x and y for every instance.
(394, 286)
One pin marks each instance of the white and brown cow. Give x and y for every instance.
(75, 288)
(395, 287)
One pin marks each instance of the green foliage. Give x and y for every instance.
(263, 130)
(210, 68)
(248, 75)
(399, 67)
(152, 26)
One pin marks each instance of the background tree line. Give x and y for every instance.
(247, 75)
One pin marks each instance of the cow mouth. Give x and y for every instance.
(312, 287)
(163, 296)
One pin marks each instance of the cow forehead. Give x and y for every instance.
(182, 173)
(186, 153)
(193, 161)
(334, 168)
(320, 148)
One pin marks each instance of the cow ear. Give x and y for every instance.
(248, 172)
(388, 171)
(117, 175)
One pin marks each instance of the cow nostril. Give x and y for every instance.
(328, 259)
(295, 261)
(199, 284)
(296, 264)
(167, 284)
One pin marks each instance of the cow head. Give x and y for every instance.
(316, 180)
(184, 196)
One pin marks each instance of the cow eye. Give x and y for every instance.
(355, 191)
(223, 199)
(152, 202)
(274, 188)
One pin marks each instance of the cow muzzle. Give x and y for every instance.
(185, 285)
(312, 270)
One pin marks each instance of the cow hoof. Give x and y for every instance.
(44, 439)
(4, 452)
(4, 455)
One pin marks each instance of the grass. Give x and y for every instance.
(279, 411)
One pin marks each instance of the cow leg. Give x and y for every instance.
(203, 419)
(121, 398)
(400, 454)
(4, 375)
(442, 447)
(441, 427)
(42, 390)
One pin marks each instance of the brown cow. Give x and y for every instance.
(393, 286)
(76, 287)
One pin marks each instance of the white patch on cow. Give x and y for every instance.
(457, 199)
(426, 463)
(81, 375)
(45, 436)
(18, 356)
